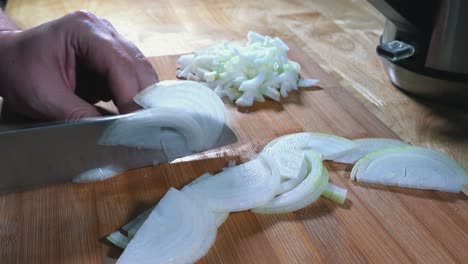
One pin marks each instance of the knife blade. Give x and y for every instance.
(60, 152)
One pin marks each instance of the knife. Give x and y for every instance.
(60, 152)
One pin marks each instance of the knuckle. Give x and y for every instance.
(124, 59)
(84, 15)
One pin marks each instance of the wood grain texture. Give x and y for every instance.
(66, 223)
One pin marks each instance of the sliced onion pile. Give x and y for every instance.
(245, 73)
(270, 183)
(254, 185)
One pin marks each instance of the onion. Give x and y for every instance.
(245, 73)
(241, 187)
(118, 239)
(411, 167)
(144, 129)
(288, 150)
(335, 193)
(365, 146)
(303, 194)
(288, 184)
(206, 107)
(133, 226)
(178, 230)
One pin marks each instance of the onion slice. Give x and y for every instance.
(241, 187)
(303, 194)
(411, 167)
(365, 146)
(178, 230)
(289, 149)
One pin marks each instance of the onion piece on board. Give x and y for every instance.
(303, 194)
(178, 230)
(239, 188)
(411, 167)
(289, 149)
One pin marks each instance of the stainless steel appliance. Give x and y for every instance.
(424, 47)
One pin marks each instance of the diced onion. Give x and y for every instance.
(245, 73)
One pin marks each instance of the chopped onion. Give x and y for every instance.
(239, 188)
(245, 73)
(178, 230)
(303, 194)
(411, 167)
(335, 193)
(365, 146)
(289, 149)
(118, 239)
(307, 82)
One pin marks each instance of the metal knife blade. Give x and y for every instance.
(60, 152)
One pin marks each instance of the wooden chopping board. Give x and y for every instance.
(66, 223)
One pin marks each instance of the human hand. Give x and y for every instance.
(58, 70)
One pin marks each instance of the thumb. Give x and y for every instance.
(68, 106)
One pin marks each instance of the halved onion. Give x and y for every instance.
(411, 167)
(206, 107)
(241, 187)
(365, 146)
(178, 230)
(289, 149)
(303, 194)
(143, 129)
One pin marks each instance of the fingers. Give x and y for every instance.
(105, 51)
(146, 75)
(70, 107)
